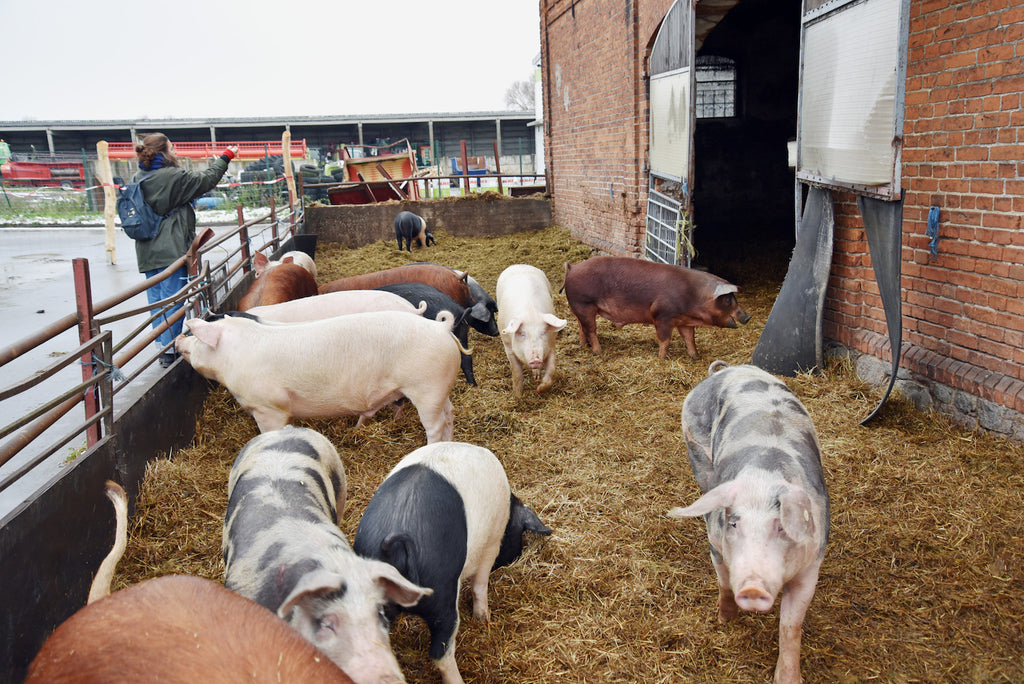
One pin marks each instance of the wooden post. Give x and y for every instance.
(286, 157)
(109, 199)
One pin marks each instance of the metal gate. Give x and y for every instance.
(668, 234)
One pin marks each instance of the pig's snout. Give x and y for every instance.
(755, 598)
(536, 363)
(740, 316)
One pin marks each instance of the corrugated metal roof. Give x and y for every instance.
(85, 124)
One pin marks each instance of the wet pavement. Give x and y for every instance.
(36, 289)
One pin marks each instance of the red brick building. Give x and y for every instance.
(960, 156)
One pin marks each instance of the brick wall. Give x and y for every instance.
(595, 114)
(963, 309)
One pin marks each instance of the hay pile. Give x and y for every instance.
(922, 577)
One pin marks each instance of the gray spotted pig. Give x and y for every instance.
(284, 550)
(754, 454)
(446, 514)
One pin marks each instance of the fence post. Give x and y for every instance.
(109, 199)
(243, 237)
(286, 158)
(86, 331)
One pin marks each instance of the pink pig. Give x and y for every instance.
(528, 324)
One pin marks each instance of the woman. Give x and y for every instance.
(169, 190)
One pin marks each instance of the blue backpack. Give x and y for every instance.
(138, 220)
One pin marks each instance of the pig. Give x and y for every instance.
(484, 307)
(345, 365)
(278, 282)
(440, 277)
(444, 514)
(185, 628)
(754, 453)
(625, 290)
(261, 263)
(436, 302)
(332, 304)
(529, 326)
(178, 629)
(409, 226)
(283, 549)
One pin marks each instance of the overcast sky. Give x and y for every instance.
(68, 59)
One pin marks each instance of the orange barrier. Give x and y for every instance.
(204, 150)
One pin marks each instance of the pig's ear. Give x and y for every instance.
(288, 260)
(554, 321)
(260, 261)
(205, 332)
(396, 588)
(721, 496)
(480, 312)
(312, 586)
(796, 515)
(524, 518)
(724, 289)
(512, 326)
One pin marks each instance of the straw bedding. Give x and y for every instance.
(921, 581)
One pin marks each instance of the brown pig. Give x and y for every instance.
(436, 276)
(625, 290)
(294, 277)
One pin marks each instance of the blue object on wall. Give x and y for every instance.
(933, 230)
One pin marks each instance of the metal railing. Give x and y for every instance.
(216, 263)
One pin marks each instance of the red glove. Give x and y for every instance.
(229, 153)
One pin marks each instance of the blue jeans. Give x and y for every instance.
(164, 290)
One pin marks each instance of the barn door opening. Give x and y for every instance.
(671, 86)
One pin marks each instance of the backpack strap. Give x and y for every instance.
(162, 216)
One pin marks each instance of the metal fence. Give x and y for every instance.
(217, 262)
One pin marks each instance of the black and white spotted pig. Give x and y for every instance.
(445, 514)
(409, 227)
(284, 550)
(754, 454)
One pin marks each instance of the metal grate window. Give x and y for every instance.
(716, 87)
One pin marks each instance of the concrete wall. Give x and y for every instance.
(485, 215)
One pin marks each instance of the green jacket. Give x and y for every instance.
(164, 190)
